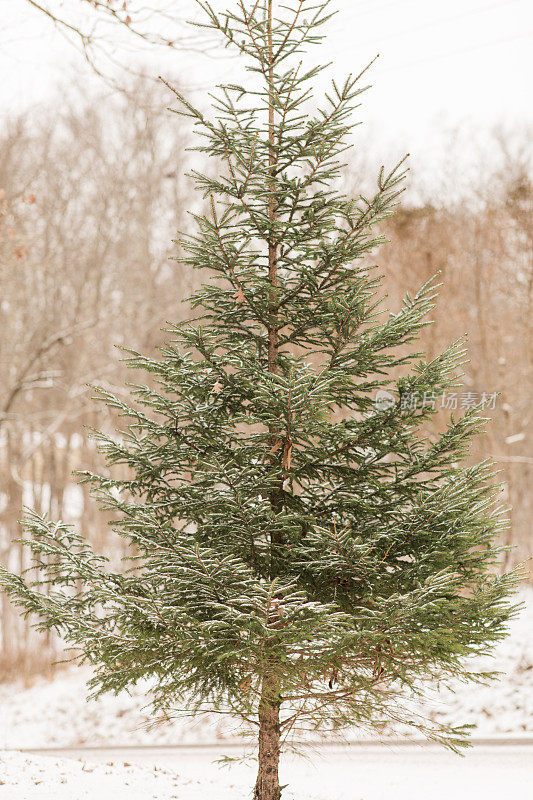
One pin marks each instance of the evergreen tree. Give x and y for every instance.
(303, 556)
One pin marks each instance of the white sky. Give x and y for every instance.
(441, 61)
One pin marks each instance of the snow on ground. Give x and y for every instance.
(43, 778)
(56, 713)
(503, 706)
(356, 773)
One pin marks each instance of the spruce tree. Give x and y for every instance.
(303, 555)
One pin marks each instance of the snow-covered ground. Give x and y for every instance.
(24, 777)
(56, 713)
(357, 773)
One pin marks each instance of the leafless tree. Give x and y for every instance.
(482, 243)
(113, 34)
(90, 200)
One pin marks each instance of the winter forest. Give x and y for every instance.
(266, 373)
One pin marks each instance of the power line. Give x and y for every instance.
(355, 15)
(457, 52)
(441, 21)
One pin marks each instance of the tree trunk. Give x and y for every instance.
(267, 784)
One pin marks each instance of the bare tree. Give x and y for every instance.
(482, 243)
(90, 201)
(106, 30)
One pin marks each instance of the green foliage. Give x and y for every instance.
(283, 524)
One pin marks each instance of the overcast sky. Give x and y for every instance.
(441, 61)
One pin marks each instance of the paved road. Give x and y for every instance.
(362, 772)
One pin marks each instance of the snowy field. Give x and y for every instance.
(356, 773)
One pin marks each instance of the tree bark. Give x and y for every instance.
(267, 785)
